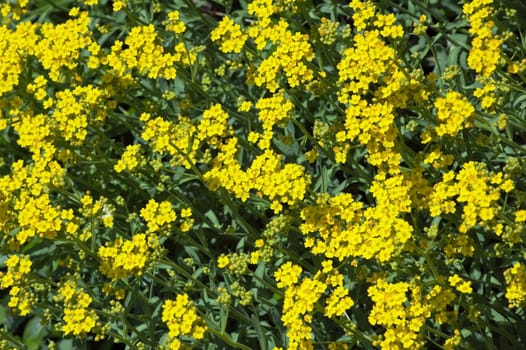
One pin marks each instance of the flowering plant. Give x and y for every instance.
(263, 174)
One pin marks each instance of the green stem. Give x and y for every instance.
(227, 339)
(8, 336)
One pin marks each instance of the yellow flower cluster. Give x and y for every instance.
(20, 297)
(263, 10)
(403, 309)
(291, 54)
(485, 52)
(339, 227)
(25, 199)
(142, 53)
(454, 113)
(72, 111)
(12, 44)
(182, 320)
(391, 198)
(515, 278)
(272, 111)
(93, 212)
(363, 64)
(182, 139)
(175, 139)
(213, 123)
(236, 263)
(174, 23)
(78, 318)
(459, 284)
(157, 215)
(327, 31)
(476, 188)
(300, 298)
(266, 175)
(266, 245)
(339, 300)
(373, 83)
(122, 258)
(230, 35)
(13, 11)
(60, 46)
(130, 159)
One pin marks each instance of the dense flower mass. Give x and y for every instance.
(262, 174)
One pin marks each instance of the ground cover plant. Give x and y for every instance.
(267, 174)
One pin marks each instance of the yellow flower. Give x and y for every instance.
(223, 261)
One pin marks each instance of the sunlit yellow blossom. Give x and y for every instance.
(122, 258)
(181, 318)
(78, 318)
(158, 214)
(454, 113)
(230, 35)
(515, 277)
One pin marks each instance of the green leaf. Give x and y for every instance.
(65, 344)
(34, 334)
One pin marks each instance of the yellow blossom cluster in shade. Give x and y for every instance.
(236, 263)
(230, 35)
(459, 284)
(438, 160)
(266, 245)
(119, 5)
(181, 318)
(281, 184)
(402, 308)
(515, 278)
(328, 31)
(20, 296)
(340, 227)
(131, 159)
(123, 258)
(78, 319)
(10, 11)
(474, 187)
